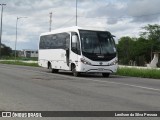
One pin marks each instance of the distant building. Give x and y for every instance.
(29, 53)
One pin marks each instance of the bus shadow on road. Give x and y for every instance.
(82, 74)
(86, 75)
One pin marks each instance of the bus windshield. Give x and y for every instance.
(97, 42)
(97, 45)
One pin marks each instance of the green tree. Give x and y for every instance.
(6, 51)
(125, 49)
(152, 34)
(133, 49)
(140, 49)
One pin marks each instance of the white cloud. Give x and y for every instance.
(121, 17)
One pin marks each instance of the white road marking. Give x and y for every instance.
(142, 87)
(137, 86)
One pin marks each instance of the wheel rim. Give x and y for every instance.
(74, 71)
(50, 68)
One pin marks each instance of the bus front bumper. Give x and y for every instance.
(97, 69)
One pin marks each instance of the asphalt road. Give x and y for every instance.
(35, 89)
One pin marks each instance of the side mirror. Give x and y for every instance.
(74, 39)
(115, 39)
(113, 36)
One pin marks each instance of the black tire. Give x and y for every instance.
(75, 73)
(55, 70)
(52, 70)
(105, 74)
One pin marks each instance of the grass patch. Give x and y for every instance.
(19, 63)
(135, 72)
(19, 58)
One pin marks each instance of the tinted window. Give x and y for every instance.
(55, 41)
(75, 47)
(97, 43)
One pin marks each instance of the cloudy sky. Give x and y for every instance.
(120, 17)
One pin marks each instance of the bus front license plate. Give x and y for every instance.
(100, 69)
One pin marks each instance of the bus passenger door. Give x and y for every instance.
(75, 47)
(67, 56)
(67, 49)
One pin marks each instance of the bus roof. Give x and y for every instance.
(60, 30)
(68, 29)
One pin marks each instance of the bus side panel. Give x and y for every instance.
(57, 57)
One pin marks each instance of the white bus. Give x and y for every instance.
(78, 50)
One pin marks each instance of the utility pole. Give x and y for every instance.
(50, 21)
(76, 12)
(1, 27)
(16, 37)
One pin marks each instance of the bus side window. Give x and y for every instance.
(75, 46)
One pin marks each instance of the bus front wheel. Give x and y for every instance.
(75, 73)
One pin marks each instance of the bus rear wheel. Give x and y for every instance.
(55, 70)
(52, 70)
(105, 74)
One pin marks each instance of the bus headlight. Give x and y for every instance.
(114, 62)
(85, 61)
